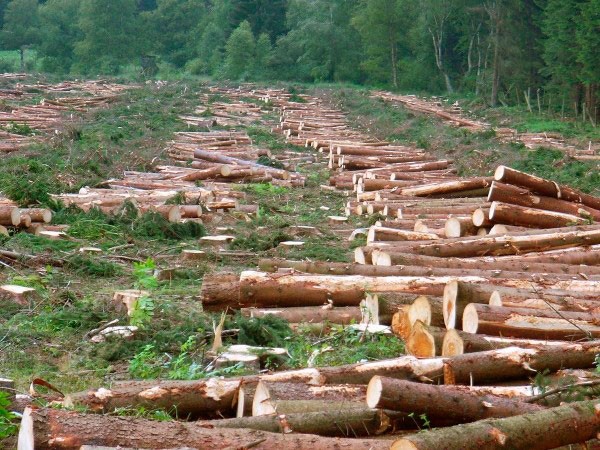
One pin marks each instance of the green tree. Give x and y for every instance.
(588, 55)
(21, 26)
(174, 26)
(58, 34)
(240, 52)
(383, 25)
(110, 35)
(321, 44)
(262, 56)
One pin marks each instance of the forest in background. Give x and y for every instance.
(503, 51)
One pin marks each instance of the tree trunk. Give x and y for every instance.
(459, 342)
(507, 245)
(545, 429)
(457, 295)
(309, 314)
(449, 187)
(530, 323)
(203, 398)
(523, 197)
(220, 291)
(457, 404)
(55, 429)
(545, 187)
(285, 398)
(516, 363)
(509, 214)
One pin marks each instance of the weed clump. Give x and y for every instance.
(268, 331)
(95, 267)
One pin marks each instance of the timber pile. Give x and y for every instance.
(454, 115)
(13, 218)
(48, 116)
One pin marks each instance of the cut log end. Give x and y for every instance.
(420, 342)
(449, 304)
(374, 390)
(452, 345)
(470, 319)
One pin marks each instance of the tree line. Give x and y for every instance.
(505, 51)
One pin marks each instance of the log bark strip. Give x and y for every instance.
(546, 429)
(54, 429)
(457, 404)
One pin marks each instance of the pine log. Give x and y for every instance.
(507, 245)
(204, 398)
(9, 216)
(54, 429)
(352, 422)
(457, 404)
(245, 397)
(457, 342)
(481, 217)
(220, 291)
(530, 322)
(286, 398)
(544, 187)
(393, 234)
(268, 290)
(508, 214)
(518, 196)
(515, 363)
(549, 428)
(449, 187)
(309, 314)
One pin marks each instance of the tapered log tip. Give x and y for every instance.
(26, 440)
(374, 391)
(499, 173)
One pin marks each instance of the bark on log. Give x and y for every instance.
(204, 398)
(457, 404)
(450, 187)
(509, 214)
(514, 363)
(459, 342)
(546, 429)
(545, 187)
(507, 193)
(309, 314)
(507, 245)
(220, 291)
(285, 398)
(530, 322)
(54, 429)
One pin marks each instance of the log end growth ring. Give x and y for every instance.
(374, 390)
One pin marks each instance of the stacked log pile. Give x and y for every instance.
(453, 115)
(14, 218)
(26, 124)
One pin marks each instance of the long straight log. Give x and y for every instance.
(515, 363)
(509, 214)
(507, 193)
(457, 404)
(550, 428)
(449, 187)
(457, 342)
(309, 314)
(544, 187)
(204, 398)
(55, 429)
(530, 323)
(507, 245)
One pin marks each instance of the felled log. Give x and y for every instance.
(392, 234)
(530, 217)
(523, 197)
(457, 295)
(549, 428)
(309, 314)
(474, 186)
(286, 398)
(424, 341)
(458, 227)
(456, 404)
(545, 187)
(514, 363)
(531, 323)
(204, 398)
(456, 342)
(223, 290)
(507, 245)
(54, 429)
